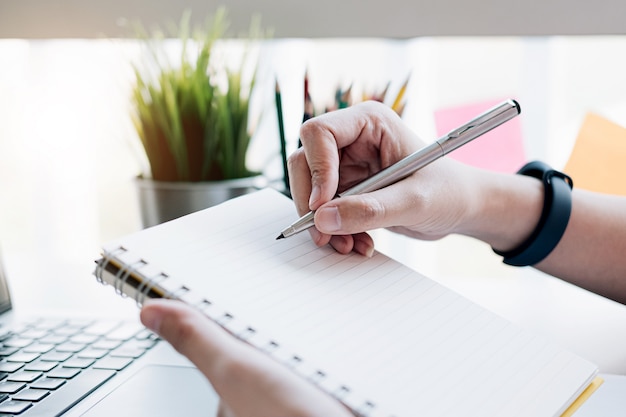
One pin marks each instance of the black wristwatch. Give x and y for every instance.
(557, 207)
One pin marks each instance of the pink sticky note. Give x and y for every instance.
(501, 149)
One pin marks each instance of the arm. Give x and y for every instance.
(443, 198)
(591, 251)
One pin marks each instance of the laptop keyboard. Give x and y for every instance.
(47, 366)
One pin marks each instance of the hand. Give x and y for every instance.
(341, 149)
(249, 383)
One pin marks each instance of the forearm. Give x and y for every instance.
(592, 251)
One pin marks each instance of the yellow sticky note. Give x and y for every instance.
(598, 160)
(595, 384)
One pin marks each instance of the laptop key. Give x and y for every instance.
(56, 356)
(5, 333)
(24, 376)
(48, 324)
(64, 373)
(32, 395)
(70, 347)
(66, 331)
(84, 338)
(48, 383)
(127, 353)
(71, 393)
(53, 339)
(7, 351)
(82, 363)
(116, 364)
(23, 357)
(90, 353)
(39, 348)
(124, 332)
(17, 342)
(106, 344)
(14, 407)
(101, 327)
(40, 366)
(34, 334)
(11, 387)
(10, 366)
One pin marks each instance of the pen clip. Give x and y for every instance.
(458, 132)
(479, 125)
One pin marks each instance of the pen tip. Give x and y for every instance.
(281, 236)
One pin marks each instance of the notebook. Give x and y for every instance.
(380, 337)
(77, 365)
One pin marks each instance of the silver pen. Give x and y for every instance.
(458, 137)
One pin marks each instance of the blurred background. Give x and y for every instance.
(69, 153)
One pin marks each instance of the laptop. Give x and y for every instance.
(92, 367)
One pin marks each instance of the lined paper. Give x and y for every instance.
(390, 335)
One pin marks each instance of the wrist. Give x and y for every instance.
(504, 210)
(555, 214)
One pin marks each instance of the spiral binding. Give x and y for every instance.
(176, 294)
(361, 407)
(101, 266)
(148, 284)
(123, 274)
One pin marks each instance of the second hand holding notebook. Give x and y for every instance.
(380, 337)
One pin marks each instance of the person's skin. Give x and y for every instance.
(249, 383)
(344, 147)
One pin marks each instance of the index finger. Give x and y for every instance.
(324, 136)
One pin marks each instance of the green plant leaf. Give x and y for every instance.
(190, 130)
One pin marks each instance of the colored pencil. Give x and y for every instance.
(345, 98)
(398, 101)
(308, 103)
(283, 143)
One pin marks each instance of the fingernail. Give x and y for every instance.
(315, 195)
(328, 219)
(364, 248)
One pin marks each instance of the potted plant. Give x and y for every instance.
(191, 115)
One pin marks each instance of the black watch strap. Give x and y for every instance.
(557, 207)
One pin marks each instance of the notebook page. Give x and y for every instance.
(404, 342)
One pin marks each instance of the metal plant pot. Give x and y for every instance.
(161, 201)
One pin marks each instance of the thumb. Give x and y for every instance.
(188, 331)
(360, 213)
(349, 215)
